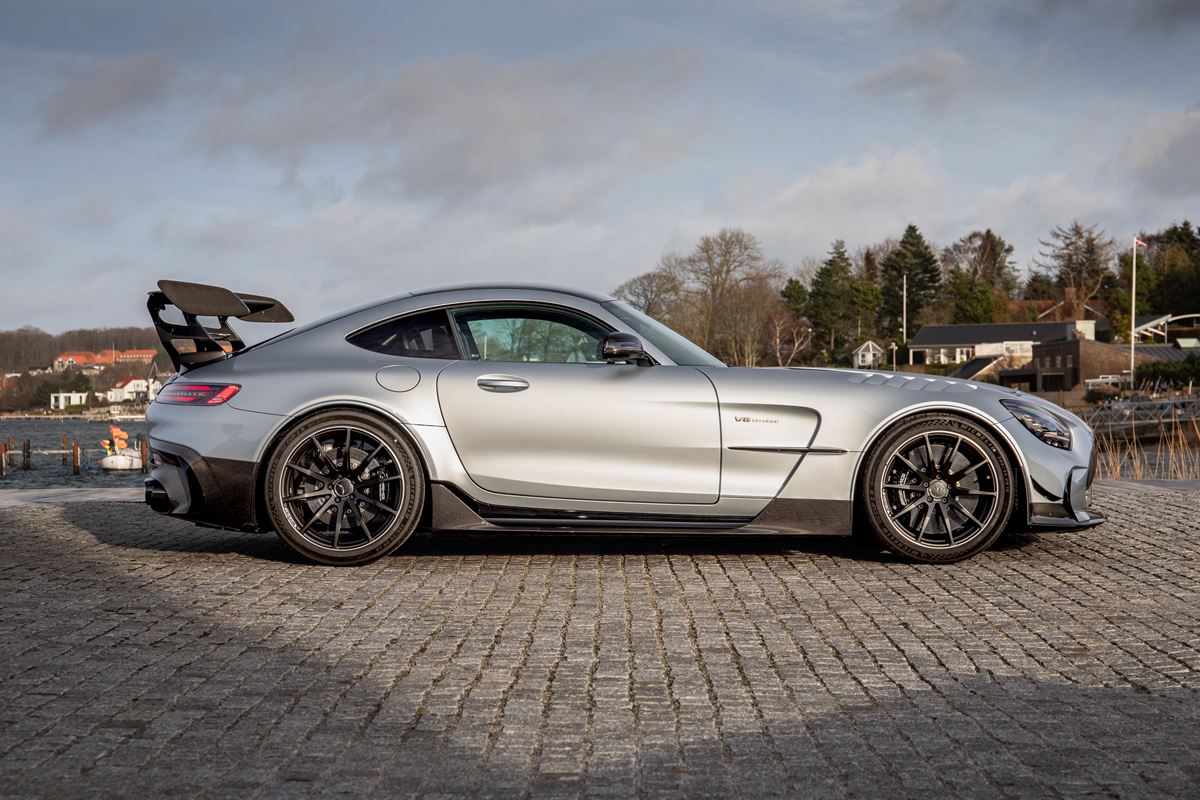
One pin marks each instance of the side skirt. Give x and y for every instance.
(452, 511)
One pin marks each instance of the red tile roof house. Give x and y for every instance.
(73, 358)
(131, 356)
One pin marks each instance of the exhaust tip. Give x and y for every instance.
(157, 497)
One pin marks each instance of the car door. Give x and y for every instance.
(532, 411)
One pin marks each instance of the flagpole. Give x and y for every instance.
(1132, 314)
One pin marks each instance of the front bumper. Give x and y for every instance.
(217, 492)
(1058, 482)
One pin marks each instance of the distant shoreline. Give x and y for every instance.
(84, 417)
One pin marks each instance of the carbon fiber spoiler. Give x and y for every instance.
(194, 343)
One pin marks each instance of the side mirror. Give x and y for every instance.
(622, 346)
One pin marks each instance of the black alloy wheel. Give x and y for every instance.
(344, 488)
(938, 489)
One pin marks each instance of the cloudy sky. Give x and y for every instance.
(329, 153)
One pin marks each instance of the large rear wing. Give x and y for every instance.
(193, 343)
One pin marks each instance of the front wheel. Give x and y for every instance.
(344, 488)
(938, 489)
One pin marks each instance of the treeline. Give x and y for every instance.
(750, 310)
(32, 348)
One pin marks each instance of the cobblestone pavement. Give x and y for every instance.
(145, 657)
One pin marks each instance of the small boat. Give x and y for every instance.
(118, 455)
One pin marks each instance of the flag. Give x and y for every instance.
(1139, 243)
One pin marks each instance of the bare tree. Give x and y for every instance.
(1078, 258)
(744, 318)
(787, 337)
(718, 265)
(655, 293)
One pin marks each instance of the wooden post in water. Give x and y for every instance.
(3, 459)
(75, 457)
(144, 447)
(65, 451)
(12, 451)
(26, 455)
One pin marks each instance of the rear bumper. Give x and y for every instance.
(218, 492)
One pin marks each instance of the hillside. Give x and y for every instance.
(28, 347)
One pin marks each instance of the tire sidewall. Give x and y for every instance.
(929, 423)
(407, 460)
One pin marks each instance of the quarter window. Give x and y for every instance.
(529, 333)
(424, 335)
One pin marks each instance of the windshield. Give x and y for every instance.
(677, 348)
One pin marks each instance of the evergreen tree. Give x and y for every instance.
(1039, 286)
(831, 306)
(795, 297)
(912, 257)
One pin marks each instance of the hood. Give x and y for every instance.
(912, 381)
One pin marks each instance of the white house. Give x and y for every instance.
(134, 390)
(868, 355)
(59, 401)
(958, 344)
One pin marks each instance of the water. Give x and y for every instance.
(48, 471)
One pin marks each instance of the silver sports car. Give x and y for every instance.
(514, 407)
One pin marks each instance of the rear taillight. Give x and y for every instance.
(197, 394)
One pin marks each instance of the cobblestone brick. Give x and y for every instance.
(141, 656)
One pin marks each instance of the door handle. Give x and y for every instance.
(501, 383)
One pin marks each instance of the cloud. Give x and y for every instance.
(936, 77)
(860, 200)
(97, 92)
(455, 128)
(926, 10)
(1167, 16)
(1163, 153)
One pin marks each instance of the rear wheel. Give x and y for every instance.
(938, 489)
(344, 488)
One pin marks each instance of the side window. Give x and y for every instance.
(529, 333)
(424, 335)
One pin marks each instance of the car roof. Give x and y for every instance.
(595, 297)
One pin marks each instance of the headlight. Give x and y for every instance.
(1041, 423)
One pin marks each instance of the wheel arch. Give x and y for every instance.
(289, 423)
(1015, 457)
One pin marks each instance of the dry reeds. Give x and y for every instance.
(1175, 457)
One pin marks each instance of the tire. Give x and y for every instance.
(344, 488)
(938, 489)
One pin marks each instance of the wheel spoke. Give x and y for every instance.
(364, 498)
(362, 465)
(907, 508)
(307, 495)
(946, 522)
(321, 454)
(337, 530)
(315, 475)
(924, 522)
(346, 455)
(948, 461)
(929, 454)
(911, 487)
(916, 470)
(976, 492)
(324, 507)
(358, 518)
(970, 469)
(960, 508)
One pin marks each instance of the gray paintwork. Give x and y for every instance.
(666, 439)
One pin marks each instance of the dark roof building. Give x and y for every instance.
(1012, 341)
(994, 333)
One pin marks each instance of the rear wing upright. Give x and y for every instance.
(194, 343)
